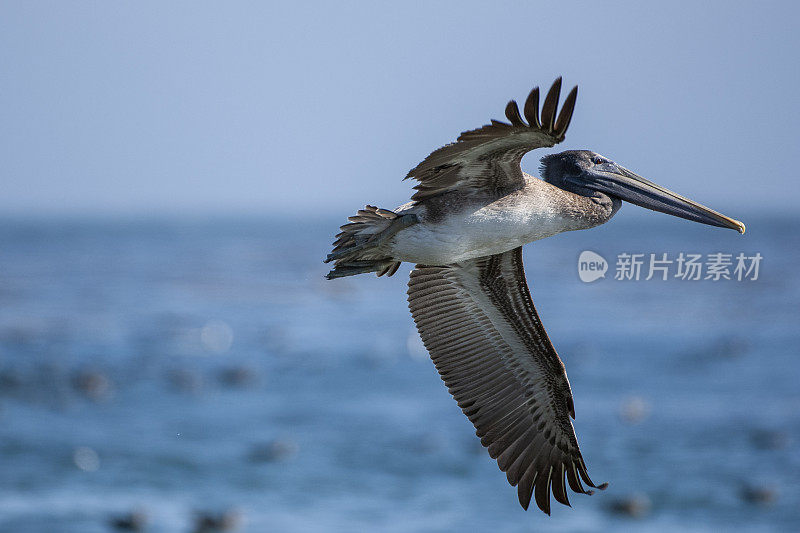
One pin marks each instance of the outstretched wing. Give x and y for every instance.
(479, 325)
(489, 157)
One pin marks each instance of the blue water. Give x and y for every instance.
(183, 366)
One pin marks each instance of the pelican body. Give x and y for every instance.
(455, 229)
(472, 212)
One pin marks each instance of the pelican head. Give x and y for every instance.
(590, 174)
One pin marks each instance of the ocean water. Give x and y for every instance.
(179, 367)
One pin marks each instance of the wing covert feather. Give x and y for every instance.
(489, 157)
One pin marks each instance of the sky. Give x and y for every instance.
(153, 108)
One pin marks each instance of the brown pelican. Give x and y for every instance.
(464, 228)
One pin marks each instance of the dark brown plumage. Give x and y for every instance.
(479, 324)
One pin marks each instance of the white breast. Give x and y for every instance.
(481, 230)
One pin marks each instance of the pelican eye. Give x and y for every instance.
(598, 161)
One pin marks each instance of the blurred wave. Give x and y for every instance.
(169, 372)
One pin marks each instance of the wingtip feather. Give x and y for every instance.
(565, 116)
(551, 105)
(531, 108)
(512, 114)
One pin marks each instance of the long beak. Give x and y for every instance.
(630, 187)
